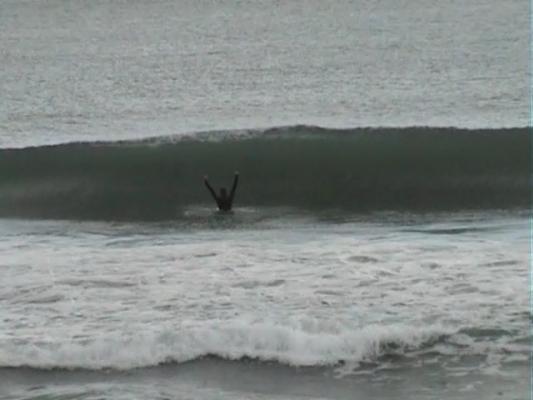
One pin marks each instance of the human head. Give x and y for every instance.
(223, 192)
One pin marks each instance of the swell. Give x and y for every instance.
(312, 168)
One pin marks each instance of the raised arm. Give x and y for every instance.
(208, 186)
(234, 187)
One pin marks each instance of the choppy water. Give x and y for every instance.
(372, 302)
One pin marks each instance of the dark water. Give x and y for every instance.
(305, 168)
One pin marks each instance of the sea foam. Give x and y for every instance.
(300, 343)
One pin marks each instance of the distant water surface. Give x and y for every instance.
(93, 70)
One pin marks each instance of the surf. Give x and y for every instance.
(306, 168)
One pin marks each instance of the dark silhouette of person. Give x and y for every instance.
(224, 202)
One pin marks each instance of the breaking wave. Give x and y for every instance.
(296, 345)
(303, 167)
(299, 343)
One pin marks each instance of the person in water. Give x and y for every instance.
(224, 202)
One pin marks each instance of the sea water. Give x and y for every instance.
(94, 70)
(379, 242)
(382, 306)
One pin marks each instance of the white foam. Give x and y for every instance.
(299, 343)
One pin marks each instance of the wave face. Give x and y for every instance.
(357, 170)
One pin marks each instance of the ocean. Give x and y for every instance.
(378, 246)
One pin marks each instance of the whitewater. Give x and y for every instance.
(424, 305)
(379, 242)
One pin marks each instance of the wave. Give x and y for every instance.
(296, 345)
(304, 167)
(300, 343)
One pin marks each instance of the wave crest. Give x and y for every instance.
(299, 344)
